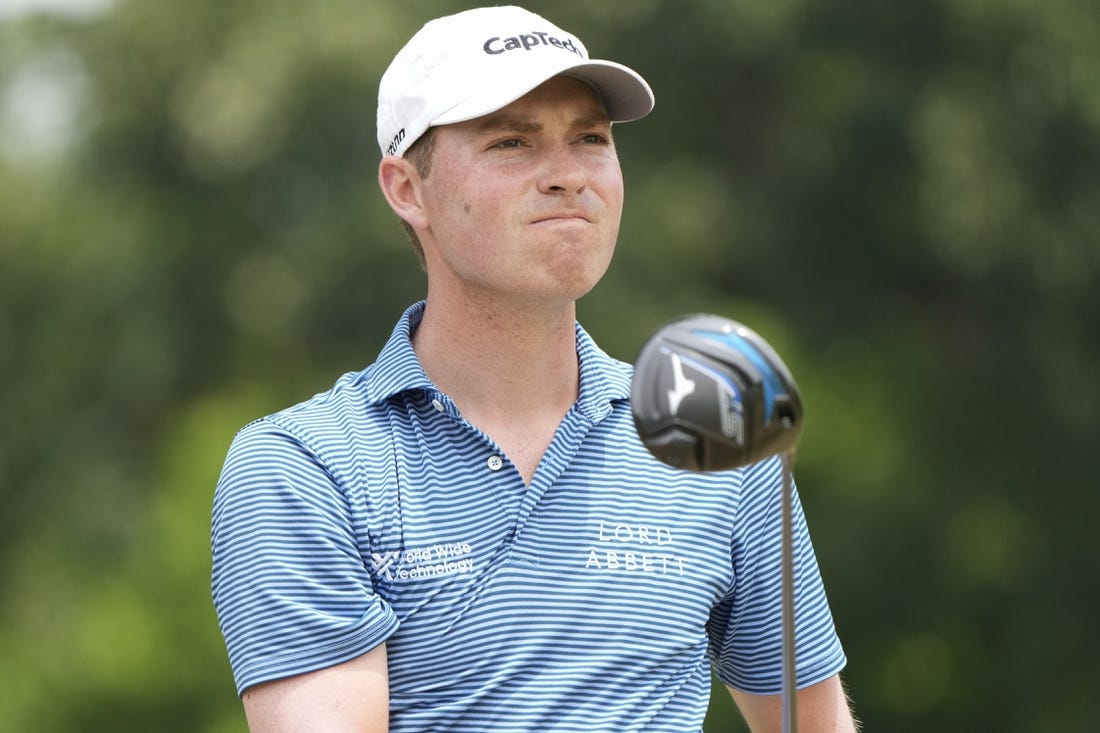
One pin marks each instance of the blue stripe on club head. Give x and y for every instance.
(773, 385)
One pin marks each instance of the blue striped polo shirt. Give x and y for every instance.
(598, 598)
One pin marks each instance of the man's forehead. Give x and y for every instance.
(582, 103)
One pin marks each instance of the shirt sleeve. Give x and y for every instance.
(745, 629)
(289, 583)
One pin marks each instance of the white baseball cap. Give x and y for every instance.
(470, 64)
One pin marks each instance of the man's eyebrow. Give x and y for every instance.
(514, 123)
(595, 118)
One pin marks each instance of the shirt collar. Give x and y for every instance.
(397, 368)
(603, 379)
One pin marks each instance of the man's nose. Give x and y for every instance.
(561, 171)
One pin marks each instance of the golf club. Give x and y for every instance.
(709, 394)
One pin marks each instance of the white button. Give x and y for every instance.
(437, 405)
(495, 463)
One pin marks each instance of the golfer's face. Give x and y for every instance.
(526, 202)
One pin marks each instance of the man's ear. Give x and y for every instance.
(400, 185)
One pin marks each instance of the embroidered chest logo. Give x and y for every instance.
(636, 548)
(429, 561)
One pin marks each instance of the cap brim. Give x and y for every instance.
(625, 93)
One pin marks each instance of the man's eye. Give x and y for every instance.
(510, 143)
(595, 139)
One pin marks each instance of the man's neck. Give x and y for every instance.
(500, 359)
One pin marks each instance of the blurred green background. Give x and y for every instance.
(904, 198)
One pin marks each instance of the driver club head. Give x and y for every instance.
(709, 394)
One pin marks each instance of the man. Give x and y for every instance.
(468, 535)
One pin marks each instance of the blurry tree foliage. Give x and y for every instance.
(903, 197)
